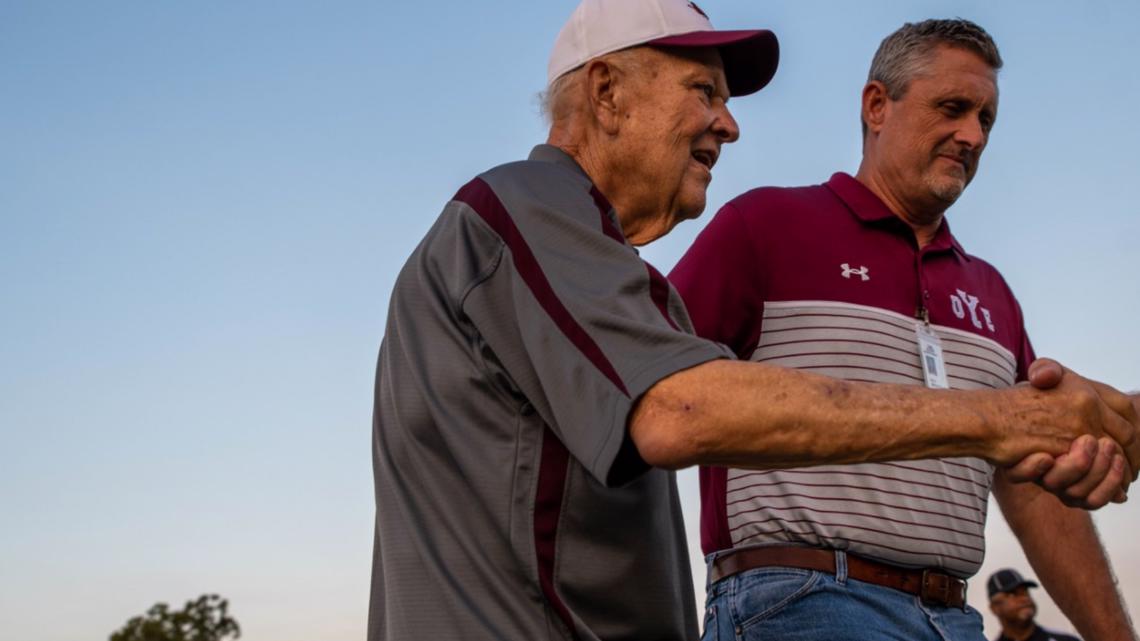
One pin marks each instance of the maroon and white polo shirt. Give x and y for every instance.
(827, 279)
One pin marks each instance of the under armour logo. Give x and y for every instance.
(698, 10)
(962, 301)
(862, 272)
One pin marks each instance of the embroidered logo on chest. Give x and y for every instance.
(961, 303)
(863, 273)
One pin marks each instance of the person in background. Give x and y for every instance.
(1015, 610)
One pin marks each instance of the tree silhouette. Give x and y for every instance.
(203, 619)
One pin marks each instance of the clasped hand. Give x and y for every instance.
(1102, 461)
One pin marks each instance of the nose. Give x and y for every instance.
(724, 125)
(972, 133)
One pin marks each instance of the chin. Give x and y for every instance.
(948, 190)
(688, 213)
(691, 205)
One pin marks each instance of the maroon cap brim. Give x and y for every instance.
(750, 57)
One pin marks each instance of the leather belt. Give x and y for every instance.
(932, 586)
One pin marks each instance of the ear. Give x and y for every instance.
(602, 81)
(875, 104)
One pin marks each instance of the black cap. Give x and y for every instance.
(1007, 580)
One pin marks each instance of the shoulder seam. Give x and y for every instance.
(489, 269)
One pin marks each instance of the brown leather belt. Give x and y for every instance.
(934, 587)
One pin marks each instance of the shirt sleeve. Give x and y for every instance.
(714, 278)
(579, 323)
(1025, 354)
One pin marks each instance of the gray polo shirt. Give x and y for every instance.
(510, 502)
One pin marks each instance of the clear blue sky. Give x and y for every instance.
(203, 206)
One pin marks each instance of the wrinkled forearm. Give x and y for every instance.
(750, 415)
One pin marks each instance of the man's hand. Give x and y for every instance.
(1095, 471)
(1092, 474)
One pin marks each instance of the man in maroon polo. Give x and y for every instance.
(860, 279)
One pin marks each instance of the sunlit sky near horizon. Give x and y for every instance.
(203, 206)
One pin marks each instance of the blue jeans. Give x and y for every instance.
(789, 604)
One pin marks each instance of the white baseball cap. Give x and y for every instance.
(598, 27)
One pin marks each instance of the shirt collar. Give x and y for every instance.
(870, 209)
(552, 154)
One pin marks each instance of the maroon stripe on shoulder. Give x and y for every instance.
(659, 292)
(479, 196)
(604, 207)
(658, 286)
(547, 510)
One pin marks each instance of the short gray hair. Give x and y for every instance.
(554, 101)
(562, 97)
(905, 53)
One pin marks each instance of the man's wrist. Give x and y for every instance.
(997, 433)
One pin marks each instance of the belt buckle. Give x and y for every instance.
(938, 588)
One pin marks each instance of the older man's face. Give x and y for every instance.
(933, 136)
(675, 123)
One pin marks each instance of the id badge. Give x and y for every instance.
(930, 351)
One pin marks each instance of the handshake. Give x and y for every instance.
(1073, 436)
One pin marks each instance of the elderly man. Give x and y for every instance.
(860, 279)
(537, 378)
